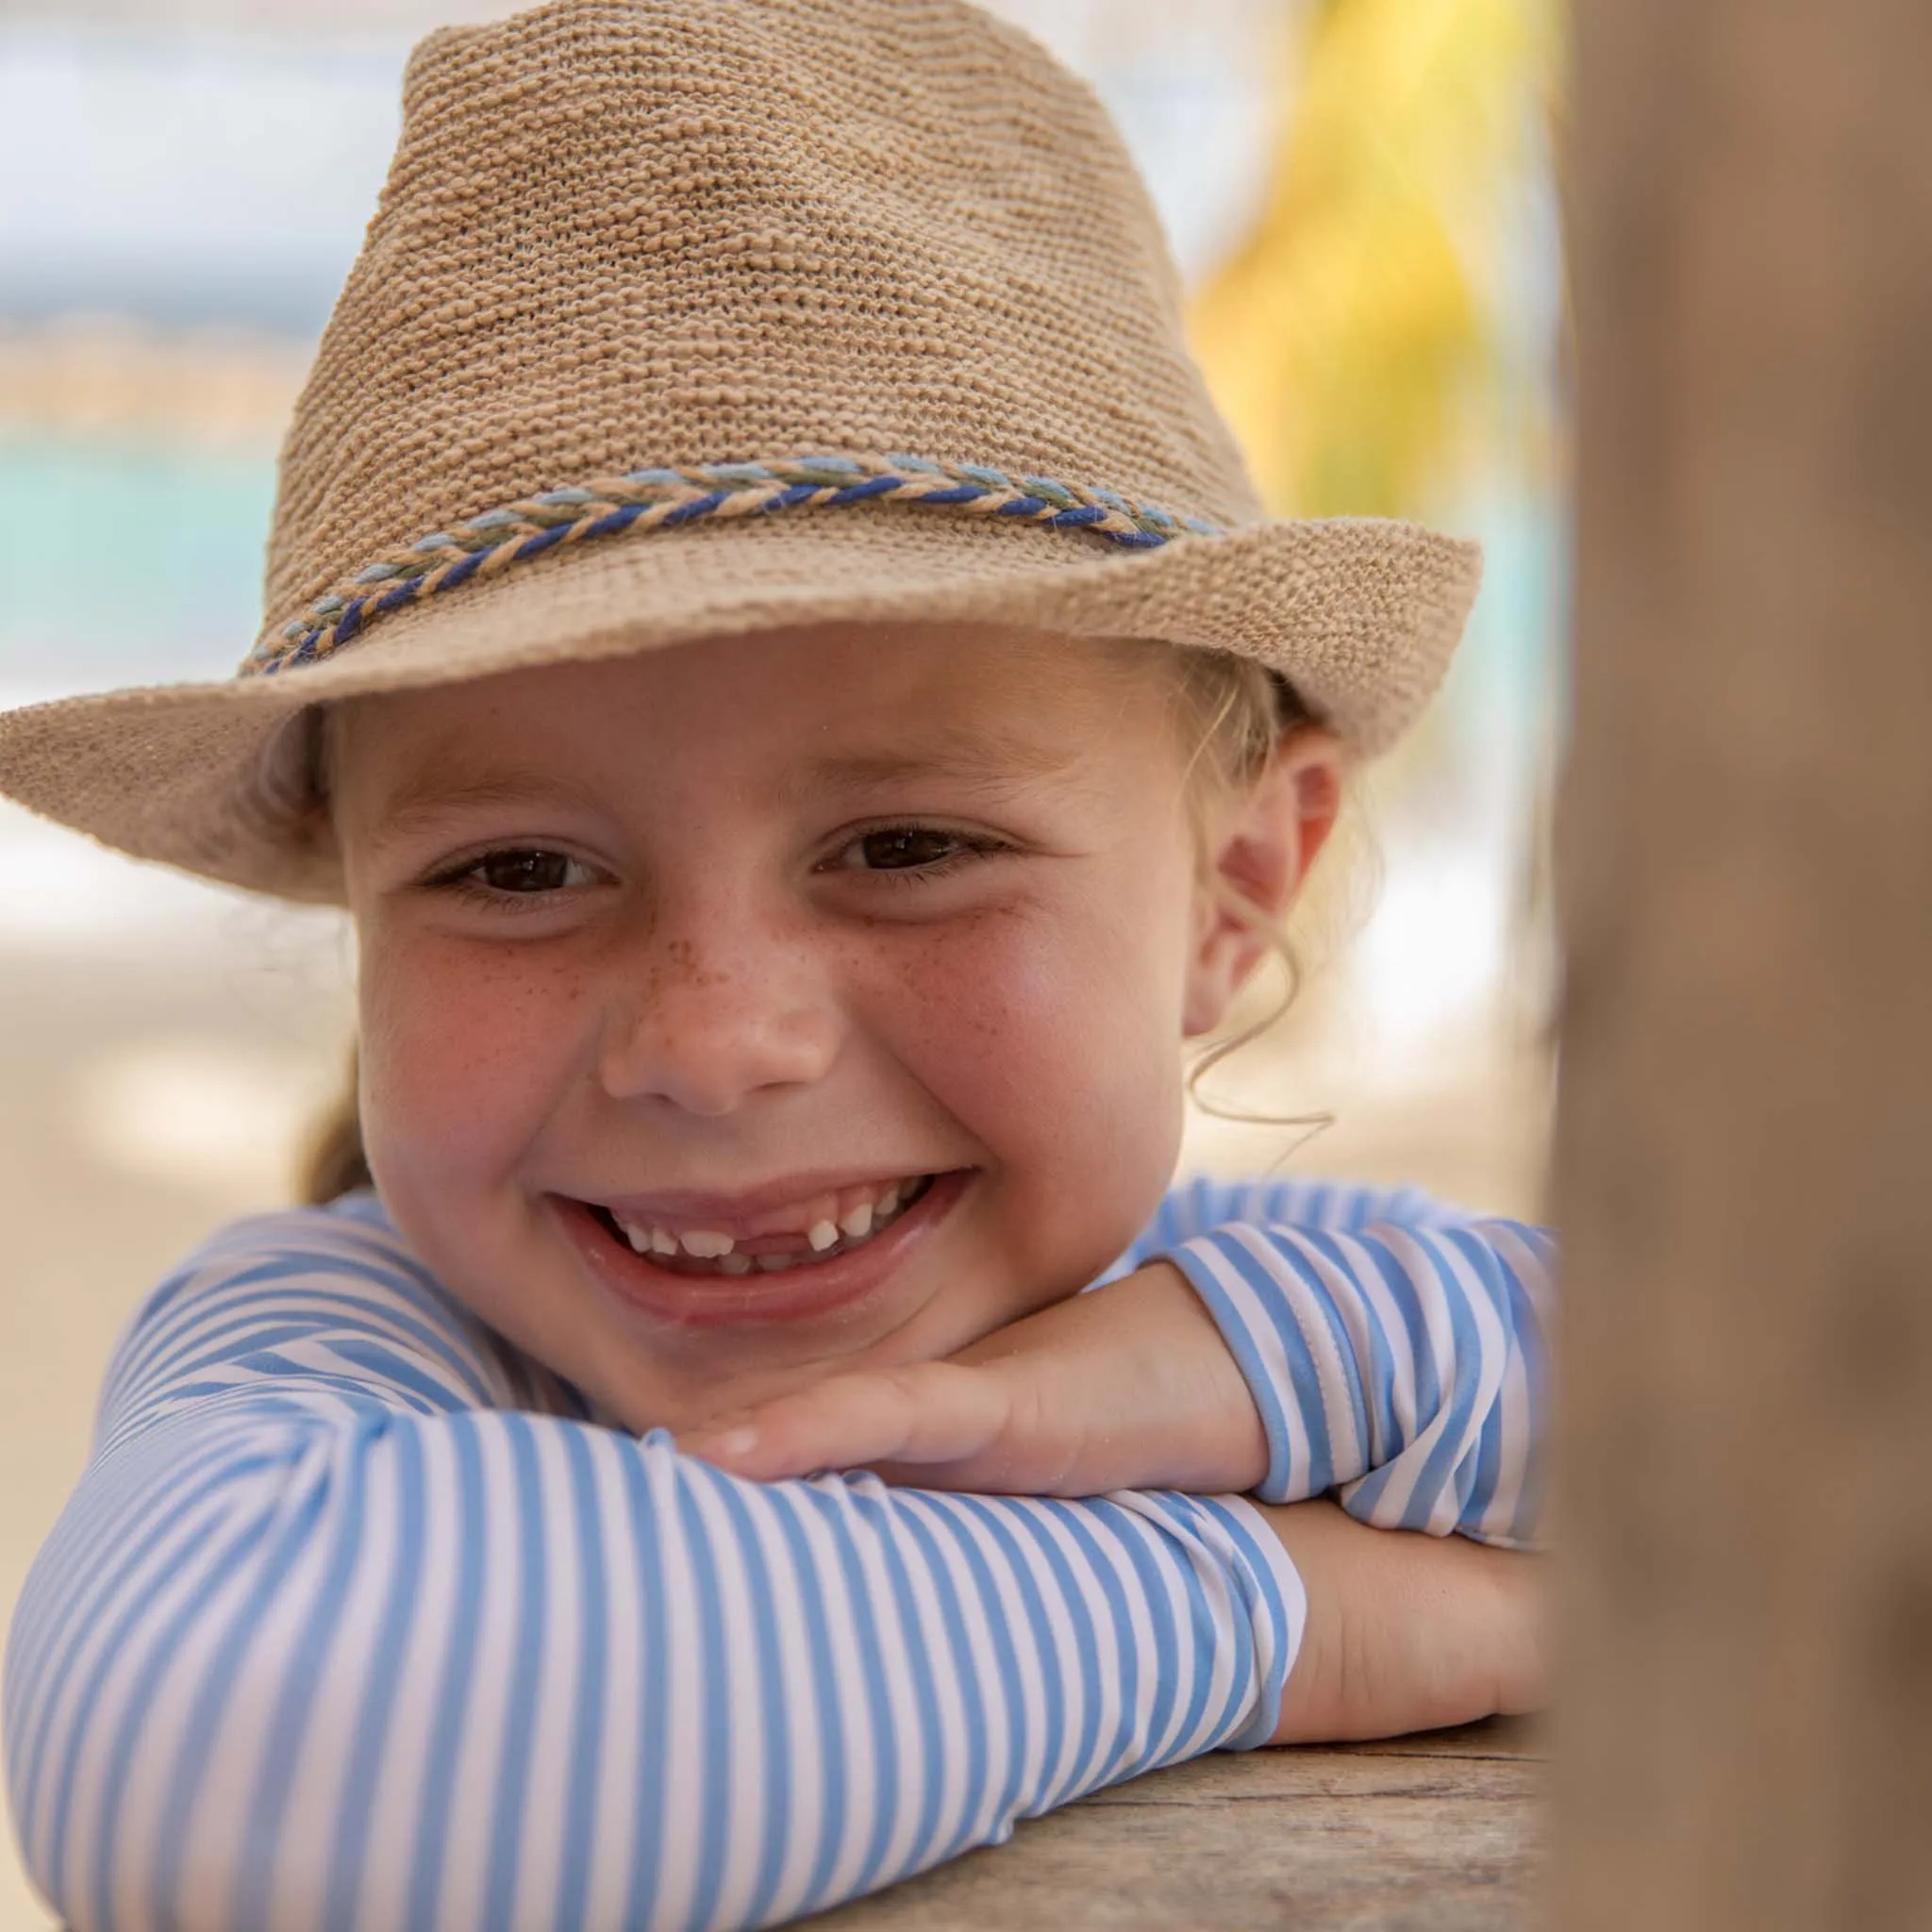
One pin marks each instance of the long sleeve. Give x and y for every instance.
(353, 1624)
(1397, 1350)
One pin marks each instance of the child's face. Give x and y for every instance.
(733, 940)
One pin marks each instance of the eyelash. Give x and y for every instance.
(969, 848)
(460, 880)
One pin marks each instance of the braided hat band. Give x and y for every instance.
(768, 246)
(664, 499)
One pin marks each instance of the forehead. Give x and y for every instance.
(782, 712)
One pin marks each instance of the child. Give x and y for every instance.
(784, 871)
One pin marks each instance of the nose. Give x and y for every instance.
(705, 1027)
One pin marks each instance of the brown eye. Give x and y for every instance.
(905, 847)
(913, 853)
(524, 871)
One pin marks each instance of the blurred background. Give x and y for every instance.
(1360, 196)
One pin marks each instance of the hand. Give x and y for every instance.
(1129, 1386)
(1406, 1632)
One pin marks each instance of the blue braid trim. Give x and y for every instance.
(666, 499)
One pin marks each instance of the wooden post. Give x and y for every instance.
(1744, 1169)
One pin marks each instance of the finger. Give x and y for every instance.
(921, 1413)
(926, 1413)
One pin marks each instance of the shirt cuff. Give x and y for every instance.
(1274, 1595)
(1243, 1296)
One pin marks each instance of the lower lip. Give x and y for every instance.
(806, 1291)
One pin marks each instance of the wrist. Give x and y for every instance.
(1314, 1701)
(1404, 1631)
(1196, 1395)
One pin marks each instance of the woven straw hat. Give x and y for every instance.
(683, 318)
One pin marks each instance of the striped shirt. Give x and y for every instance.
(356, 1619)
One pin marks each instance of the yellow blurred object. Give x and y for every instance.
(1347, 339)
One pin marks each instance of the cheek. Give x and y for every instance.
(464, 1052)
(1052, 1031)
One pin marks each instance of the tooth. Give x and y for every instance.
(663, 1243)
(773, 1264)
(638, 1239)
(889, 1201)
(856, 1222)
(734, 1264)
(822, 1235)
(705, 1245)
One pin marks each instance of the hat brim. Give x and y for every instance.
(1360, 615)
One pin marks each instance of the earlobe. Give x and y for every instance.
(1260, 852)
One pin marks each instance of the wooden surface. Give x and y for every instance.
(1431, 1834)
(1746, 1147)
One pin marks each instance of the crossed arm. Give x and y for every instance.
(1399, 1363)
(351, 1607)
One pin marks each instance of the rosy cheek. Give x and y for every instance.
(972, 1004)
(465, 1050)
(1051, 1038)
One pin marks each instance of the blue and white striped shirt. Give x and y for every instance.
(357, 1620)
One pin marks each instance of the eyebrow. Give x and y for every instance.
(996, 760)
(432, 794)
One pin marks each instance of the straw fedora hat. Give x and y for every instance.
(684, 318)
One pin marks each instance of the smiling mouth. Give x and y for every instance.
(830, 1225)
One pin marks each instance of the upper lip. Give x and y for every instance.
(697, 1208)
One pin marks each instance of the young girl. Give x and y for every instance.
(785, 871)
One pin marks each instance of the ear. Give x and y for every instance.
(1258, 853)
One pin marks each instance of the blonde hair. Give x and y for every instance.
(1241, 713)
(1234, 714)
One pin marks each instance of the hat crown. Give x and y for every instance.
(620, 233)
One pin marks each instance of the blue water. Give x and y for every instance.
(122, 562)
